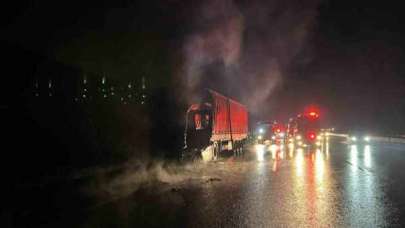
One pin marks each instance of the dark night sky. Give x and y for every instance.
(275, 56)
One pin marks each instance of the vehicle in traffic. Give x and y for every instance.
(358, 137)
(270, 133)
(305, 129)
(214, 126)
(263, 132)
(278, 133)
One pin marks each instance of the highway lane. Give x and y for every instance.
(349, 185)
(339, 186)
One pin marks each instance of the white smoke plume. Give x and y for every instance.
(116, 182)
(217, 39)
(246, 49)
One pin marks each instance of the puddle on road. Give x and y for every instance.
(301, 189)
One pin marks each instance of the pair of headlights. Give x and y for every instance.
(365, 138)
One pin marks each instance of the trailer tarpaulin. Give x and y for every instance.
(230, 120)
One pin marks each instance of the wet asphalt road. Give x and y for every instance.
(338, 186)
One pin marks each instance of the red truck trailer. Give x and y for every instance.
(215, 126)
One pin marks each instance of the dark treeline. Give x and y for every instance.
(58, 119)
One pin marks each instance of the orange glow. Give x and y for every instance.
(299, 162)
(312, 112)
(275, 166)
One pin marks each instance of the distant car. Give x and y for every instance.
(278, 133)
(358, 137)
(263, 133)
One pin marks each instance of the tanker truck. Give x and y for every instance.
(216, 126)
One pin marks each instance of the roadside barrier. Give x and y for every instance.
(374, 138)
(387, 139)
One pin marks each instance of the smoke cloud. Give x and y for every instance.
(246, 49)
(115, 182)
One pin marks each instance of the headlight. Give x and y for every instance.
(366, 138)
(319, 137)
(298, 137)
(259, 137)
(273, 137)
(353, 138)
(261, 131)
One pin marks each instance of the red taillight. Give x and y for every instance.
(311, 136)
(312, 112)
(312, 115)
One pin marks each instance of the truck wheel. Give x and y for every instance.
(197, 155)
(235, 149)
(216, 151)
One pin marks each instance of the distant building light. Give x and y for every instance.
(50, 84)
(112, 88)
(103, 80)
(105, 96)
(129, 86)
(129, 96)
(143, 83)
(122, 98)
(112, 93)
(84, 95)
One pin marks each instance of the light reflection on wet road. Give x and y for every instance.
(338, 185)
(297, 187)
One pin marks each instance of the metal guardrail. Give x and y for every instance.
(388, 139)
(373, 138)
(338, 135)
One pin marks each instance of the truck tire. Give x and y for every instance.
(237, 149)
(216, 151)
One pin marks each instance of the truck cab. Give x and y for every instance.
(214, 125)
(198, 128)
